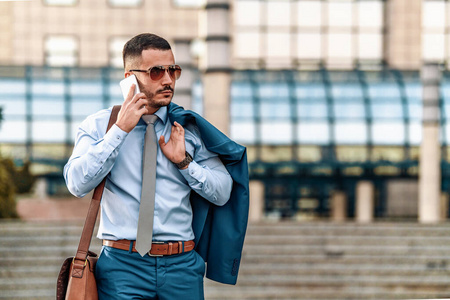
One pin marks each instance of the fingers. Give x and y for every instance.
(161, 141)
(177, 128)
(130, 93)
(131, 111)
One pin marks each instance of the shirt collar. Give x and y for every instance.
(161, 113)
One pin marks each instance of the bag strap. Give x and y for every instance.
(86, 236)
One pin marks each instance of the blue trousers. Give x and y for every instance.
(126, 275)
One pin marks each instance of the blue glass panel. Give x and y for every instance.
(415, 111)
(244, 108)
(347, 90)
(85, 106)
(445, 90)
(383, 90)
(91, 88)
(313, 133)
(275, 102)
(39, 87)
(446, 108)
(13, 131)
(42, 106)
(197, 97)
(388, 133)
(349, 111)
(415, 133)
(12, 87)
(275, 108)
(273, 90)
(48, 131)
(318, 110)
(387, 110)
(13, 106)
(413, 91)
(243, 132)
(276, 132)
(313, 90)
(239, 90)
(114, 90)
(350, 133)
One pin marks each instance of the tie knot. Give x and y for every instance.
(149, 119)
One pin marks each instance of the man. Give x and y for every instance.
(201, 190)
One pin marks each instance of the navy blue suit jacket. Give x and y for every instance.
(219, 230)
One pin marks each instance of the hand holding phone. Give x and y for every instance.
(125, 85)
(131, 110)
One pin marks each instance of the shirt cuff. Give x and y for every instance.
(193, 173)
(115, 136)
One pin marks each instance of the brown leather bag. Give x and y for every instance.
(76, 279)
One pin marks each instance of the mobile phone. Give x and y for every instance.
(125, 85)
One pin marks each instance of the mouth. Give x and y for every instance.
(166, 94)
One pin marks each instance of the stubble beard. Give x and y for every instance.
(157, 103)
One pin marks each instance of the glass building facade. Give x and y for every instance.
(307, 132)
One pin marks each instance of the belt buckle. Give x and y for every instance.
(155, 255)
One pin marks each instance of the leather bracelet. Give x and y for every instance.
(186, 161)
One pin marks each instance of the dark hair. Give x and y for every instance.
(134, 47)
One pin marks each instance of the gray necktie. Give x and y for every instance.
(147, 206)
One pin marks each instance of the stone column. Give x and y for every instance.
(430, 158)
(183, 88)
(257, 196)
(444, 206)
(338, 206)
(216, 64)
(403, 39)
(365, 195)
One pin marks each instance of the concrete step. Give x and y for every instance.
(325, 229)
(353, 240)
(285, 260)
(247, 270)
(216, 292)
(342, 250)
(433, 261)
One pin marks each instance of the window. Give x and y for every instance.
(61, 2)
(61, 51)
(125, 3)
(287, 34)
(434, 47)
(115, 51)
(189, 3)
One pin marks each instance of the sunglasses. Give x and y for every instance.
(157, 72)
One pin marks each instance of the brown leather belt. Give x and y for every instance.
(158, 248)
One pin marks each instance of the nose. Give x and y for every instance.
(166, 79)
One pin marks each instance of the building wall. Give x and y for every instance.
(25, 26)
(6, 31)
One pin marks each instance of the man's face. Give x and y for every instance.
(158, 92)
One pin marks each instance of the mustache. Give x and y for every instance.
(167, 88)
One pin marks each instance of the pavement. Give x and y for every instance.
(30, 208)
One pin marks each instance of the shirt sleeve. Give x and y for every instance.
(93, 157)
(207, 175)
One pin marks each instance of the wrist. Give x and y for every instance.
(185, 162)
(123, 127)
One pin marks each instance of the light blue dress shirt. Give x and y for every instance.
(120, 154)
